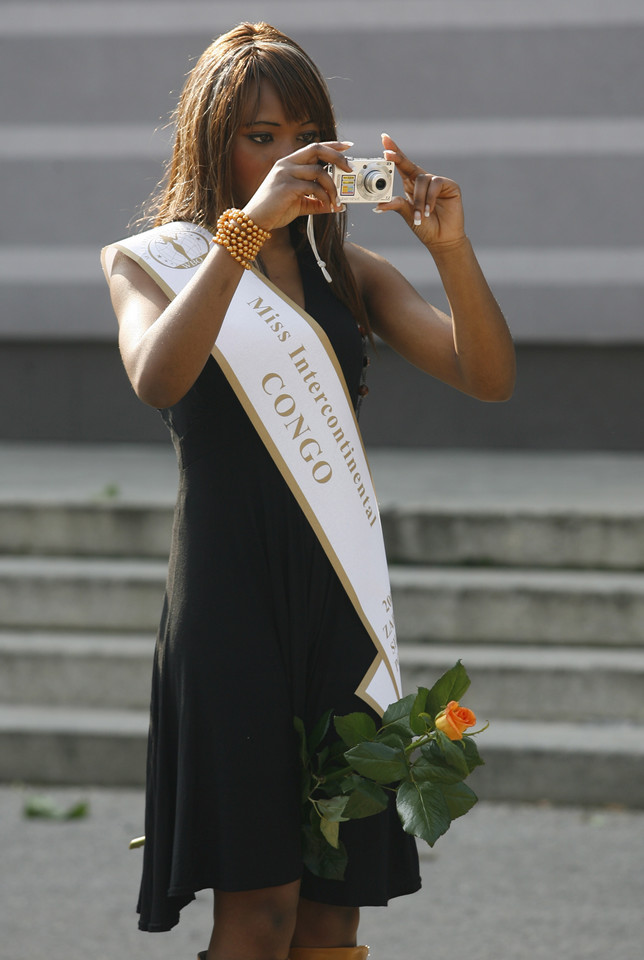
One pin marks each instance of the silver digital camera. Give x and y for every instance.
(370, 181)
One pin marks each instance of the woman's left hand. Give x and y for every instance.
(431, 206)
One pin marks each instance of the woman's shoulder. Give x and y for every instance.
(126, 270)
(369, 268)
(130, 284)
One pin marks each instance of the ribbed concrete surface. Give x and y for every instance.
(63, 745)
(528, 536)
(432, 604)
(112, 671)
(525, 760)
(532, 107)
(80, 594)
(108, 671)
(555, 651)
(517, 606)
(569, 684)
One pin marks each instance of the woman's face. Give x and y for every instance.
(265, 137)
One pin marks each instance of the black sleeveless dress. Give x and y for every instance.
(256, 628)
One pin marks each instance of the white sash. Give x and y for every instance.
(285, 373)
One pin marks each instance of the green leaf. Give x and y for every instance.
(330, 831)
(333, 809)
(307, 785)
(321, 758)
(459, 798)
(336, 752)
(354, 728)
(320, 857)
(109, 492)
(398, 710)
(423, 811)
(365, 800)
(435, 770)
(46, 808)
(399, 729)
(472, 755)
(451, 686)
(416, 722)
(350, 782)
(453, 753)
(378, 761)
(301, 739)
(394, 740)
(319, 732)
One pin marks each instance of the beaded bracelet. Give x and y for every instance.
(242, 238)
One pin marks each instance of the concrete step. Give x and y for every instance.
(450, 507)
(431, 604)
(81, 594)
(136, 76)
(548, 536)
(584, 764)
(112, 671)
(504, 183)
(518, 606)
(103, 528)
(572, 684)
(107, 671)
(60, 745)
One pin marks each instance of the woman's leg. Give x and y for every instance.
(254, 924)
(325, 925)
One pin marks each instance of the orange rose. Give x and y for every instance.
(454, 720)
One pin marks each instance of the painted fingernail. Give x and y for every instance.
(427, 211)
(348, 143)
(417, 218)
(340, 207)
(377, 210)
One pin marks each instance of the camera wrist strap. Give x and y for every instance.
(320, 262)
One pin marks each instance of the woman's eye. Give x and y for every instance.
(260, 137)
(309, 137)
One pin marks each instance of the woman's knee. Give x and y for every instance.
(260, 920)
(325, 925)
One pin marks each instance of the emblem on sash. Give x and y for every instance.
(178, 249)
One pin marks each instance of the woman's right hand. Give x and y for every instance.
(298, 185)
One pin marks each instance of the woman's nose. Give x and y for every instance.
(285, 148)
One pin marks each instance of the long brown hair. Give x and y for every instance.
(214, 102)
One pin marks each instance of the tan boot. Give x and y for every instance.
(204, 953)
(328, 953)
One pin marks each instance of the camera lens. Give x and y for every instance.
(374, 182)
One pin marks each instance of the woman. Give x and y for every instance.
(257, 627)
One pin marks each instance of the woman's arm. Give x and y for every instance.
(165, 345)
(472, 350)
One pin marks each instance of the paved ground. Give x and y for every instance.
(507, 883)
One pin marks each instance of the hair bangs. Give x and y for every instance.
(300, 88)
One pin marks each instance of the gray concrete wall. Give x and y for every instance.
(534, 107)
